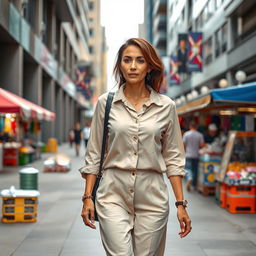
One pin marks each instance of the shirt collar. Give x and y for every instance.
(154, 96)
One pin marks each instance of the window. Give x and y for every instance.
(208, 51)
(248, 21)
(91, 31)
(221, 37)
(218, 43)
(218, 3)
(91, 5)
(224, 31)
(91, 49)
(211, 8)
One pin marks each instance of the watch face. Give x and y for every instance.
(184, 203)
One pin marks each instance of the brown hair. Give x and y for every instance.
(155, 77)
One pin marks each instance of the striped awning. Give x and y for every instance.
(12, 103)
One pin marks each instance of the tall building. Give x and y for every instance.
(159, 26)
(229, 39)
(154, 28)
(146, 29)
(98, 49)
(41, 44)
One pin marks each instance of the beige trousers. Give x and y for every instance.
(133, 212)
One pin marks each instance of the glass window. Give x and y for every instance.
(208, 51)
(218, 3)
(91, 49)
(218, 43)
(224, 32)
(206, 13)
(91, 5)
(211, 8)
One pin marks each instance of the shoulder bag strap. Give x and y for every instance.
(105, 129)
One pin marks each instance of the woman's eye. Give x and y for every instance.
(126, 60)
(141, 61)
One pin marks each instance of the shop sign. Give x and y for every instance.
(66, 83)
(43, 56)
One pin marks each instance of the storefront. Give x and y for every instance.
(230, 161)
(19, 127)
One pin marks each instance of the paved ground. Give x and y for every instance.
(59, 230)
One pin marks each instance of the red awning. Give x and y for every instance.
(11, 103)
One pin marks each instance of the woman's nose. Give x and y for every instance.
(133, 64)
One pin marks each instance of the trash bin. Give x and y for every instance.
(19, 205)
(29, 178)
(52, 145)
(23, 158)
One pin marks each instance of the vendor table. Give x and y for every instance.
(209, 165)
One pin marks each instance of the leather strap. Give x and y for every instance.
(105, 129)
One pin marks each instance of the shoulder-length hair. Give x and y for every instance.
(155, 76)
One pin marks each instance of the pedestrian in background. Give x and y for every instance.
(77, 138)
(212, 133)
(71, 137)
(144, 142)
(86, 133)
(193, 141)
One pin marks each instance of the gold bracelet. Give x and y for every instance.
(87, 197)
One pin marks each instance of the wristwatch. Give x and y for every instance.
(183, 202)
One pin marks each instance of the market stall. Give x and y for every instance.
(18, 118)
(233, 110)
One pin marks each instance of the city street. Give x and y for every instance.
(59, 229)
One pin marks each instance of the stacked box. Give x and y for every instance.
(19, 209)
(10, 156)
(241, 198)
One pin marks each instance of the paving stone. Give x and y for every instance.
(59, 230)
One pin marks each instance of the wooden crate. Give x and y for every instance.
(19, 209)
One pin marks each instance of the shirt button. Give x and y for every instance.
(133, 173)
(135, 153)
(131, 190)
(135, 137)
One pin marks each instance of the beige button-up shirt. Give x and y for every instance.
(148, 140)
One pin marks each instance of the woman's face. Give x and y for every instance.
(133, 65)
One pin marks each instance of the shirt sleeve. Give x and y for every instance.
(173, 148)
(93, 150)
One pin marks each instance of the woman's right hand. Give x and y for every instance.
(88, 213)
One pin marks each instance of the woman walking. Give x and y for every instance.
(144, 141)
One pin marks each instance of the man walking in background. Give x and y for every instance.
(193, 141)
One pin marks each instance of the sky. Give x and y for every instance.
(121, 19)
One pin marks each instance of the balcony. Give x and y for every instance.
(160, 22)
(159, 41)
(63, 10)
(160, 7)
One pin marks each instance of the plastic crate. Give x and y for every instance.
(19, 209)
(10, 156)
(241, 199)
(23, 158)
(223, 195)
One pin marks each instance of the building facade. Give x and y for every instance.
(41, 43)
(229, 38)
(98, 49)
(154, 28)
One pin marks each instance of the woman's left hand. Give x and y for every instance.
(184, 220)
